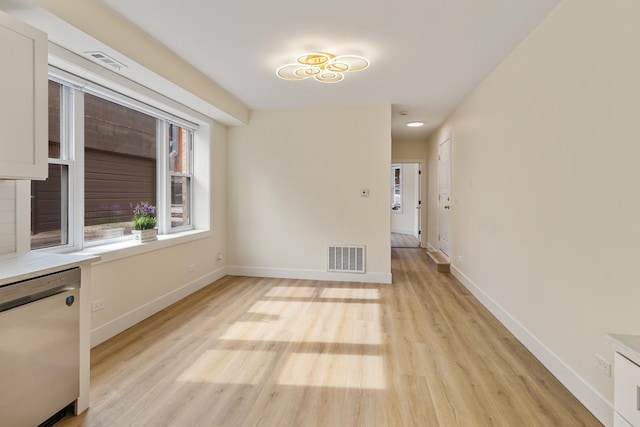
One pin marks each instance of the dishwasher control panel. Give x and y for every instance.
(33, 289)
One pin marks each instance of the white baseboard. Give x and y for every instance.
(431, 248)
(600, 407)
(279, 273)
(114, 327)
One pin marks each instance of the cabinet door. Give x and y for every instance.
(618, 421)
(626, 389)
(23, 100)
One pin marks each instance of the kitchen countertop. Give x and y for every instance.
(627, 345)
(16, 267)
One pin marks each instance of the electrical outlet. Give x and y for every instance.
(219, 257)
(192, 268)
(97, 305)
(603, 365)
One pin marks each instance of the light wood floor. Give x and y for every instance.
(270, 352)
(399, 240)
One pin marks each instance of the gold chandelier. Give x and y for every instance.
(324, 67)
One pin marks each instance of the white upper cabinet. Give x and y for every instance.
(23, 100)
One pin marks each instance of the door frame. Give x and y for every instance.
(446, 138)
(422, 186)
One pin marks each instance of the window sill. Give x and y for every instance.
(115, 251)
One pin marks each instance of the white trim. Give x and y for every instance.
(281, 273)
(126, 248)
(114, 327)
(163, 186)
(444, 140)
(74, 137)
(597, 404)
(430, 248)
(23, 216)
(80, 84)
(85, 338)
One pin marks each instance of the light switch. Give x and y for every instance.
(364, 192)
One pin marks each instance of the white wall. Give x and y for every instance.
(135, 287)
(294, 188)
(545, 185)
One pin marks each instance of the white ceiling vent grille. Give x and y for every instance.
(105, 60)
(346, 259)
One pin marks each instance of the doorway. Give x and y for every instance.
(406, 205)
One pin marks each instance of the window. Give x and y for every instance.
(50, 198)
(127, 152)
(180, 174)
(119, 166)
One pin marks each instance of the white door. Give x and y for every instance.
(444, 197)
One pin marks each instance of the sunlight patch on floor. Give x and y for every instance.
(229, 367)
(333, 370)
(331, 322)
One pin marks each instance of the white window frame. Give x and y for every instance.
(68, 157)
(167, 181)
(72, 131)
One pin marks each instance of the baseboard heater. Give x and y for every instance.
(346, 259)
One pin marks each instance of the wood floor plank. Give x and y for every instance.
(399, 240)
(273, 352)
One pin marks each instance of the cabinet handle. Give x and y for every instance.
(638, 398)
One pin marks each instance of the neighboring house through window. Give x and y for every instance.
(129, 152)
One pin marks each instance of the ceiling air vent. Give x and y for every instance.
(105, 60)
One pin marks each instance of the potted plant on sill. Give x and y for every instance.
(144, 222)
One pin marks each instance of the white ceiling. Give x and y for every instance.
(426, 55)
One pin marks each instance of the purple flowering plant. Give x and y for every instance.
(144, 216)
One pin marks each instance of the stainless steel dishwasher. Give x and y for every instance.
(39, 348)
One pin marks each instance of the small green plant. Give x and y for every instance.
(144, 216)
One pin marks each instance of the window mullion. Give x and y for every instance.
(66, 158)
(76, 150)
(163, 178)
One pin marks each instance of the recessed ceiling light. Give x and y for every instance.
(415, 124)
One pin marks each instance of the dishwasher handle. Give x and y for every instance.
(30, 290)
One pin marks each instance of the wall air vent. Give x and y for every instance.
(348, 259)
(105, 59)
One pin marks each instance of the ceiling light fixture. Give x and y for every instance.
(324, 67)
(415, 124)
